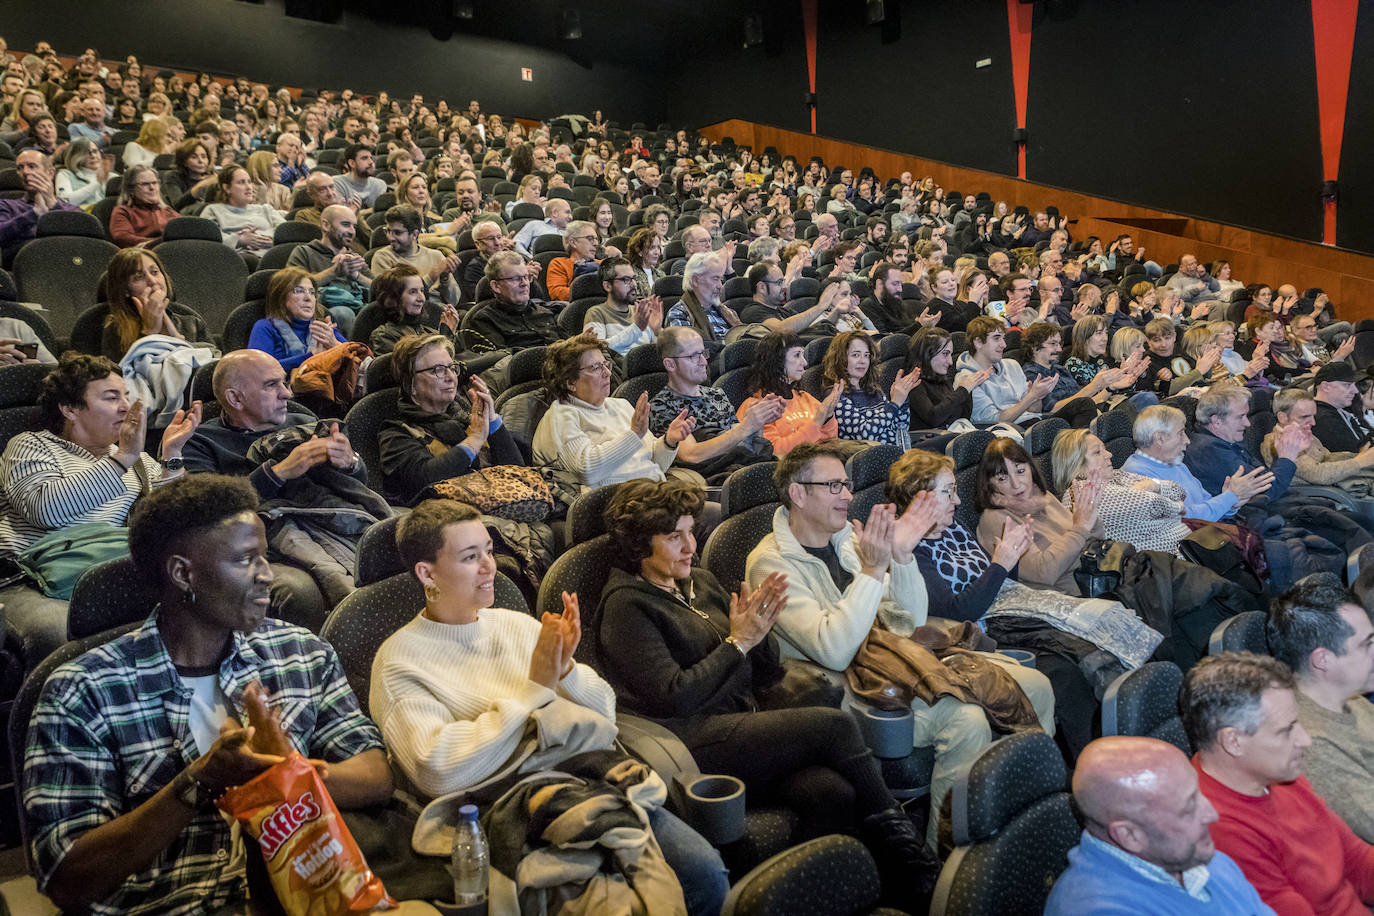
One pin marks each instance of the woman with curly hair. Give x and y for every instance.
(680, 649)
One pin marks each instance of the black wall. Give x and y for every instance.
(259, 41)
(1204, 107)
(1355, 228)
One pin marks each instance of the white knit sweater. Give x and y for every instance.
(452, 700)
(593, 446)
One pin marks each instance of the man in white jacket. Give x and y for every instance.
(843, 576)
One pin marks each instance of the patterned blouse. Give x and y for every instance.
(862, 415)
(1141, 511)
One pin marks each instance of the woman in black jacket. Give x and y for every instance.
(678, 649)
(937, 402)
(436, 435)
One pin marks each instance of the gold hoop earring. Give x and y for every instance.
(431, 593)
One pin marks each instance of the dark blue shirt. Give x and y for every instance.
(1212, 460)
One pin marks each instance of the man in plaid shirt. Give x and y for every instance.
(131, 743)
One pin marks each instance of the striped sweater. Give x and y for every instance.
(48, 483)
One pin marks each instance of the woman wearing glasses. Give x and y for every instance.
(437, 434)
(140, 216)
(590, 439)
(296, 326)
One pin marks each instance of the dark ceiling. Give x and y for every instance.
(645, 33)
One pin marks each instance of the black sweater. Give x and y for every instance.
(410, 462)
(667, 662)
(935, 404)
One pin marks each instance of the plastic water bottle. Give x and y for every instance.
(470, 859)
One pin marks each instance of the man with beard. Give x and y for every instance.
(336, 265)
(884, 308)
(622, 321)
(769, 307)
(1147, 844)
(359, 180)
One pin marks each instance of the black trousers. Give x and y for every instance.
(810, 759)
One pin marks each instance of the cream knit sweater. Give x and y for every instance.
(452, 700)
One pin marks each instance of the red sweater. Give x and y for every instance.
(1298, 854)
(133, 224)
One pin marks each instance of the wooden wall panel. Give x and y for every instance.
(1256, 257)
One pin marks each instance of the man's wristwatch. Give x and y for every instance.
(174, 464)
(191, 792)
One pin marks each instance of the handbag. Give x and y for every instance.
(506, 491)
(1099, 567)
(55, 561)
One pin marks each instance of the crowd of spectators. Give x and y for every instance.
(1051, 405)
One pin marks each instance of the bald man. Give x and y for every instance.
(1147, 847)
(251, 389)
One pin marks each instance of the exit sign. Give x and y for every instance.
(527, 74)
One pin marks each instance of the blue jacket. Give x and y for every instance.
(266, 338)
(1213, 460)
(1197, 503)
(1097, 883)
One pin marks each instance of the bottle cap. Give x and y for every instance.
(468, 811)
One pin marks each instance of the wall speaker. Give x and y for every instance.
(753, 31)
(1018, 135)
(572, 25)
(877, 11)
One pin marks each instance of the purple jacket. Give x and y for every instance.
(19, 224)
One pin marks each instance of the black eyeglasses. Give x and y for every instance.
(834, 486)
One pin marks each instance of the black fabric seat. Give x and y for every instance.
(748, 487)
(1242, 633)
(20, 384)
(1013, 828)
(651, 384)
(1144, 702)
(1114, 428)
(727, 548)
(204, 273)
(21, 716)
(62, 273)
(365, 420)
(1040, 439)
(828, 876)
(586, 516)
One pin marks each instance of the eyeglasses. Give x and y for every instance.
(700, 354)
(629, 279)
(945, 491)
(305, 291)
(521, 280)
(597, 367)
(443, 369)
(834, 486)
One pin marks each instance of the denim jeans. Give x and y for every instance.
(695, 862)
